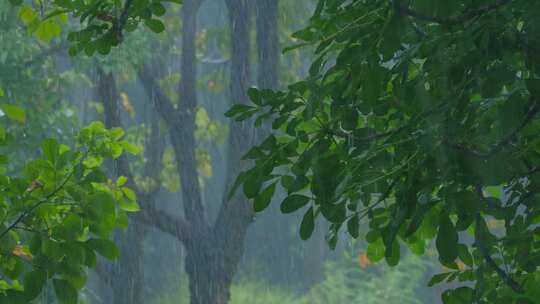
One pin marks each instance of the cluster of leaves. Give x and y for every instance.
(420, 117)
(59, 212)
(102, 22)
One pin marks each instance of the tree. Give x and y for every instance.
(213, 249)
(420, 117)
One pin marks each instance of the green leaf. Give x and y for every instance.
(353, 226)
(293, 202)
(157, 9)
(308, 224)
(252, 184)
(27, 15)
(154, 25)
(121, 181)
(131, 148)
(438, 278)
(130, 194)
(92, 161)
(33, 283)
(264, 198)
(392, 256)
(50, 149)
(65, 292)
(254, 96)
(461, 295)
(447, 239)
(14, 112)
(47, 30)
(464, 255)
(237, 109)
(129, 205)
(104, 247)
(375, 250)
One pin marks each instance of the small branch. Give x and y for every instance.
(105, 17)
(454, 20)
(120, 22)
(381, 199)
(39, 203)
(415, 120)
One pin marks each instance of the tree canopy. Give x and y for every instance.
(420, 118)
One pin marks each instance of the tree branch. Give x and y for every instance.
(39, 203)
(181, 125)
(148, 213)
(175, 226)
(119, 23)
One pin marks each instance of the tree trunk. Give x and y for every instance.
(210, 276)
(213, 261)
(267, 44)
(126, 275)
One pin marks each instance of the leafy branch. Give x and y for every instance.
(501, 144)
(41, 201)
(453, 20)
(515, 286)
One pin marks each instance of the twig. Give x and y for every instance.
(39, 203)
(383, 197)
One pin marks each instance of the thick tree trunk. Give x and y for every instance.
(212, 263)
(210, 275)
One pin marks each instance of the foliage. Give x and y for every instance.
(59, 212)
(421, 117)
(102, 23)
